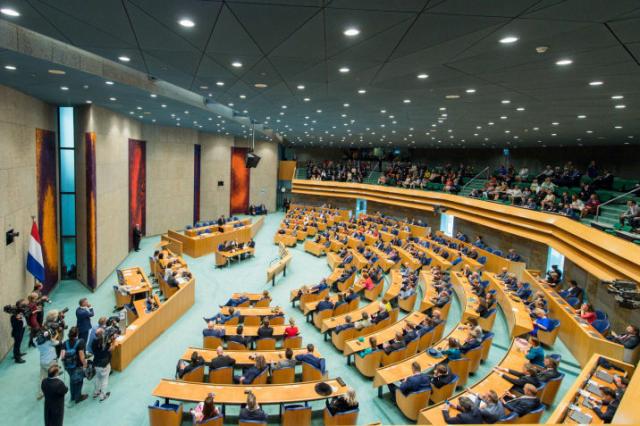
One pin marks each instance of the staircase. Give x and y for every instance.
(609, 214)
(476, 184)
(301, 173)
(372, 178)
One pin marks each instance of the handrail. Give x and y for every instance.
(612, 200)
(474, 178)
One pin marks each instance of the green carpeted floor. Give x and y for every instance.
(131, 390)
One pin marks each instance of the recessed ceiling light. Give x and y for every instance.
(113, 99)
(138, 108)
(452, 96)
(306, 99)
(508, 39)
(555, 123)
(236, 64)
(621, 106)
(243, 96)
(187, 23)
(284, 107)
(219, 83)
(554, 134)
(564, 62)
(88, 101)
(617, 127)
(362, 91)
(344, 70)
(319, 111)
(57, 72)
(470, 90)
(163, 105)
(503, 117)
(617, 97)
(260, 86)
(300, 87)
(423, 76)
(407, 101)
(65, 88)
(505, 101)
(345, 105)
(124, 58)
(10, 67)
(542, 49)
(589, 131)
(582, 116)
(9, 12)
(108, 83)
(153, 95)
(520, 109)
(351, 32)
(596, 83)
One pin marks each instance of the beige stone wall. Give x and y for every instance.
(20, 115)
(169, 177)
(215, 166)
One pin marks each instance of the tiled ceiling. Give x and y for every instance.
(457, 43)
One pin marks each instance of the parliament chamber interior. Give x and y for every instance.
(319, 212)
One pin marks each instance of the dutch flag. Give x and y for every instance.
(35, 264)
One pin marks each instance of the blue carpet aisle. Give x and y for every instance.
(131, 390)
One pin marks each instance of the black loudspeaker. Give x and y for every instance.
(220, 183)
(252, 160)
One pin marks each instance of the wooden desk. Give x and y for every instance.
(329, 324)
(277, 267)
(200, 245)
(251, 330)
(235, 394)
(582, 339)
(225, 257)
(428, 290)
(516, 312)
(384, 335)
(394, 288)
(148, 327)
(253, 312)
(436, 259)
(286, 239)
(562, 411)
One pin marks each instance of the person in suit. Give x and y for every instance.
(441, 376)
(212, 331)
(84, 312)
(418, 381)
(395, 344)
(310, 358)
(287, 362)
(469, 413)
(235, 302)
(17, 330)
(136, 237)
(442, 299)
(347, 325)
(609, 403)
(382, 314)
(252, 411)
(524, 404)
(221, 360)
(185, 367)
(239, 337)
(324, 305)
(250, 374)
(490, 406)
(629, 339)
(265, 329)
(221, 318)
(54, 390)
(574, 290)
(527, 376)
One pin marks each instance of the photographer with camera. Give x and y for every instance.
(34, 315)
(83, 318)
(102, 345)
(18, 313)
(74, 360)
(46, 341)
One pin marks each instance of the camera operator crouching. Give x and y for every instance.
(102, 346)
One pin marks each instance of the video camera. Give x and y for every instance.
(112, 328)
(16, 309)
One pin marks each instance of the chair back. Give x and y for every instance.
(279, 320)
(374, 292)
(412, 348)
(392, 357)
(338, 339)
(195, 375)
(551, 390)
(121, 299)
(310, 373)
(213, 421)
(487, 339)
(340, 310)
(292, 342)
(222, 376)
(318, 317)
(487, 323)
(602, 326)
(266, 344)
(531, 418)
(263, 303)
(252, 423)
(233, 321)
(425, 340)
(445, 311)
(411, 404)
(252, 321)
(261, 379)
(445, 392)
(165, 414)
(475, 356)
(296, 415)
(574, 302)
(508, 419)
(368, 364)
(345, 418)
(283, 375)
(548, 337)
(408, 303)
(461, 368)
(235, 346)
(438, 330)
(211, 342)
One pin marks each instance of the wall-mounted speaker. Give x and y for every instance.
(220, 183)
(252, 160)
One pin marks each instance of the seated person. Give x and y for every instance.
(441, 376)
(221, 318)
(291, 330)
(235, 302)
(587, 313)
(211, 330)
(185, 367)
(442, 299)
(527, 376)
(394, 344)
(310, 358)
(524, 404)
(574, 290)
(609, 402)
(343, 403)
(452, 352)
(629, 339)
(250, 374)
(373, 346)
(363, 322)
(513, 256)
(367, 282)
(469, 412)
(287, 362)
(350, 295)
(221, 360)
(535, 353)
(239, 337)
(473, 341)
(265, 329)
(409, 333)
(252, 411)
(205, 410)
(541, 322)
(632, 213)
(490, 406)
(347, 325)
(381, 315)
(325, 304)
(418, 381)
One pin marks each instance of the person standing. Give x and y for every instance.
(83, 319)
(54, 391)
(102, 346)
(46, 345)
(137, 236)
(17, 330)
(73, 357)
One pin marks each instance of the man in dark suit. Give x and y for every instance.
(630, 339)
(84, 312)
(525, 404)
(212, 331)
(265, 329)
(221, 360)
(469, 413)
(54, 391)
(310, 358)
(441, 376)
(395, 344)
(17, 331)
(239, 337)
(527, 376)
(324, 305)
(609, 401)
(347, 325)
(137, 236)
(416, 382)
(574, 290)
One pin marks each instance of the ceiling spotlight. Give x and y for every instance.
(187, 23)
(505, 101)
(344, 70)
(163, 105)
(124, 58)
(508, 39)
(596, 83)
(10, 67)
(219, 83)
(582, 116)
(88, 101)
(452, 96)
(57, 72)
(306, 99)
(617, 97)
(423, 76)
(406, 101)
(9, 12)
(542, 49)
(564, 62)
(520, 109)
(236, 64)
(243, 96)
(470, 90)
(65, 88)
(108, 83)
(260, 86)
(621, 106)
(351, 32)
(113, 99)
(617, 127)
(555, 123)
(362, 91)
(153, 95)
(503, 117)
